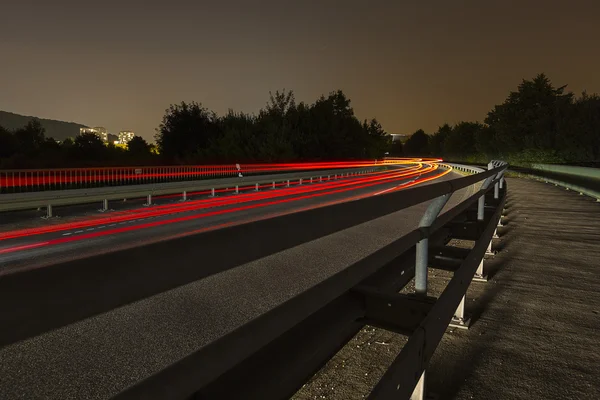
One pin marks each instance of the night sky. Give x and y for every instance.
(411, 64)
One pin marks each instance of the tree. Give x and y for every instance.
(417, 145)
(89, 149)
(186, 130)
(460, 142)
(532, 117)
(138, 147)
(438, 140)
(31, 137)
(8, 143)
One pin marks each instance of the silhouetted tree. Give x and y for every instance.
(31, 137)
(460, 142)
(8, 143)
(417, 144)
(138, 147)
(437, 141)
(530, 118)
(185, 131)
(90, 149)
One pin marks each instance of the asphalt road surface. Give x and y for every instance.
(99, 357)
(48, 244)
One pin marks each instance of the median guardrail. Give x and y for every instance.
(102, 195)
(301, 334)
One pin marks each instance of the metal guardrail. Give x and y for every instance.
(301, 334)
(102, 195)
(28, 180)
(584, 180)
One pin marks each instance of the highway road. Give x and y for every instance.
(48, 244)
(103, 355)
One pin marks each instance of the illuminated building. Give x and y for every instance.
(98, 131)
(125, 136)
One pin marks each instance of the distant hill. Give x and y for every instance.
(59, 130)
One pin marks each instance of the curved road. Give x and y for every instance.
(100, 356)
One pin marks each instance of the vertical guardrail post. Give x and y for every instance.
(300, 181)
(104, 205)
(256, 190)
(237, 189)
(459, 320)
(288, 183)
(273, 187)
(422, 251)
(184, 197)
(148, 200)
(212, 192)
(49, 211)
(419, 390)
(481, 201)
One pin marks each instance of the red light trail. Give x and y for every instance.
(268, 198)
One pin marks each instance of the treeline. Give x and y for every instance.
(282, 131)
(28, 147)
(191, 134)
(536, 123)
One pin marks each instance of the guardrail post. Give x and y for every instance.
(300, 181)
(481, 201)
(104, 205)
(459, 320)
(320, 179)
(256, 190)
(419, 391)
(184, 197)
(148, 200)
(288, 183)
(273, 185)
(237, 189)
(422, 251)
(212, 192)
(49, 211)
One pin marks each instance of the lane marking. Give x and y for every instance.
(66, 234)
(78, 231)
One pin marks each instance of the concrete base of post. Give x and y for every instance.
(459, 320)
(480, 275)
(489, 251)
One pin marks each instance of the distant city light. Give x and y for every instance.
(125, 136)
(98, 131)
